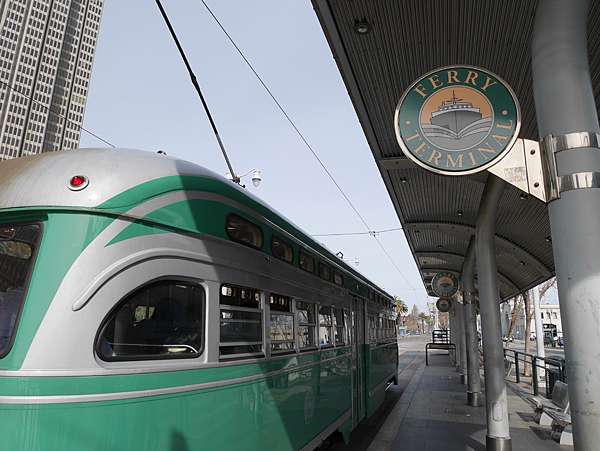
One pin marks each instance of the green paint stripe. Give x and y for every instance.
(158, 187)
(82, 385)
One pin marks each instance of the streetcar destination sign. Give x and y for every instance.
(457, 120)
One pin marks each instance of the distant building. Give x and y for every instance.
(46, 53)
(551, 315)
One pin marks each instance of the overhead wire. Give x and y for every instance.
(81, 127)
(301, 136)
(370, 232)
(285, 114)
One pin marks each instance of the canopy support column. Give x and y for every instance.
(474, 397)
(498, 433)
(564, 102)
(462, 344)
(452, 326)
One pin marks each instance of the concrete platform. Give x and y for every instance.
(432, 414)
(428, 411)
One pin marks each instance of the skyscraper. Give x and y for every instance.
(46, 54)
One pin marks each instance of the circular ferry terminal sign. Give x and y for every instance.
(457, 120)
(443, 305)
(444, 284)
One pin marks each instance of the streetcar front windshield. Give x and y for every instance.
(17, 248)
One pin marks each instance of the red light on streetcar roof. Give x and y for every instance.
(78, 182)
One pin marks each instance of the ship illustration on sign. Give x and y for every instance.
(458, 122)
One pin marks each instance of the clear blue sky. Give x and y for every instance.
(141, 97)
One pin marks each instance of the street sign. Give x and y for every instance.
(444, 284)
(443, 305)
(457, 120)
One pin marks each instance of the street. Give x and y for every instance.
(519, 345)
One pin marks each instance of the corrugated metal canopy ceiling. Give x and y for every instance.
(407, 39)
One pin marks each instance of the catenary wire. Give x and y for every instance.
(197, 88)
(370, 232)
(81, 127)
(301, 136)
(285, 114)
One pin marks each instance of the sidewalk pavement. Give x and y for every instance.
(432, 414)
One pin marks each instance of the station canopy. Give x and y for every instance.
(380, 48)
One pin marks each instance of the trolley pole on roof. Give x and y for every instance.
(194, 80)
(568, 124)
(496, 401)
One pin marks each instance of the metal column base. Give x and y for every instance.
(474, 398)
(497, 444)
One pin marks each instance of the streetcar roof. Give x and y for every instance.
(43, 181)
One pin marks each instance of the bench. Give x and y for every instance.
(562, 430)
(558, 403)
(443, 346)
(555, 412)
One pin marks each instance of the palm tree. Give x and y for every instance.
(401, 309)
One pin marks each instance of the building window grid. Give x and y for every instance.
(65, 23)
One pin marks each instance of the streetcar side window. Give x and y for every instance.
(372, 329)
(348, 326)
(324, 271)
(340, 328)
(240, 322)
(338, 279)
(325, 326)
(243, 231)
(281, 249)
(18, 244)
(307, 324)
(307, 262)
(162, 320)
(282, 323)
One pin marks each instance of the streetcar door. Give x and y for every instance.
(358, 360)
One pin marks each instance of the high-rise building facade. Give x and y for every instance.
(46, 55)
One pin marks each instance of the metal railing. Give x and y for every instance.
(544, 371)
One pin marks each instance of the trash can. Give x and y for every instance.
(554, 372)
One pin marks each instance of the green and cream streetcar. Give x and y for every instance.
(147, 303)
